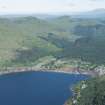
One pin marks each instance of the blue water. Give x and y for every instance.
(37, 88)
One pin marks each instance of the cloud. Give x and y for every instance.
(4, 7)
(71, 4)
(49, 6)
(97, 0)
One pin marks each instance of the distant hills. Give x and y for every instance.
(98, 13)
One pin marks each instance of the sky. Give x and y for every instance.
(49, 6)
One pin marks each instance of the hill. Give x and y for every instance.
(83, 95)
(94, 14)
(56, 43)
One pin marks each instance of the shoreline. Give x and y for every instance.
(11, 70)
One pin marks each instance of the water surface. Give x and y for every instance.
(37, 88)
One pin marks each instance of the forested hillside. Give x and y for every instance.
(90, 92)
(52, 43)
